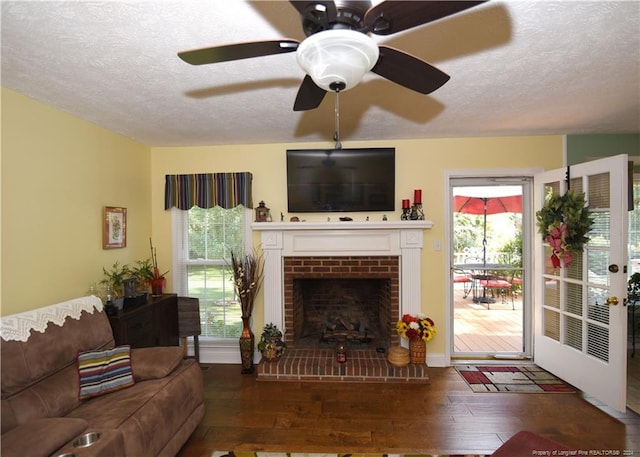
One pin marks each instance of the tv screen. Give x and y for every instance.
(341, 180)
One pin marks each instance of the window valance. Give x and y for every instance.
(207, 190)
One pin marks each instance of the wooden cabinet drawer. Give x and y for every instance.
(152, 324)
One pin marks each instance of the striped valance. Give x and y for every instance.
(207, 190)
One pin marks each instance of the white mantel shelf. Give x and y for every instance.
(341, 225)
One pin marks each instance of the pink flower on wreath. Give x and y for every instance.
(558, 234)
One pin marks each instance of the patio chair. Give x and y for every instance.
(464, 278)
(497, 286)
(516, 284)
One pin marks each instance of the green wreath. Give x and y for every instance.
(564, 222)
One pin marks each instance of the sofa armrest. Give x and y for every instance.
(41, 437)
(155, 362)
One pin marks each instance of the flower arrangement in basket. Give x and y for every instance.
(564, 222)
(418, 330)
(418, 327)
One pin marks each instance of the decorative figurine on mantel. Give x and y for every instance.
(263, 213)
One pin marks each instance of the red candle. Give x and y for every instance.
(405, 203)
(417, 197)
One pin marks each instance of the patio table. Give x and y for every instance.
(487, 275)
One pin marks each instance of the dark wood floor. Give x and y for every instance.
(444, 417)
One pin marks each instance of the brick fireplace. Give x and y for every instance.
(355, 298)
(364, 265)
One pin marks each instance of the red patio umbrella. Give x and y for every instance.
(484, 201)
(487, 205)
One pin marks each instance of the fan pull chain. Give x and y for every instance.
(336, 135)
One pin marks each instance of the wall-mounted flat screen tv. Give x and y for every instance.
(341, 180)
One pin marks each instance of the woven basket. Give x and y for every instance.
(418, 351)
(398, 356)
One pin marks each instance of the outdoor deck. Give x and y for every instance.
(495, 330)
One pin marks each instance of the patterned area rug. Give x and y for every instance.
(519, 379)
(321, 454)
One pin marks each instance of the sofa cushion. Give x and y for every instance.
(41, 437)
(155, 362)
(8, 418)
(101, 372)
(149, 411)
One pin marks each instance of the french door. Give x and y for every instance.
(580, 321)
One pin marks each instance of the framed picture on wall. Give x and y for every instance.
(114, 233)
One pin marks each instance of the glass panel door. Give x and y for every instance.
(580, 330)
(488, 275)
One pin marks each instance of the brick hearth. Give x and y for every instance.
(362, 365)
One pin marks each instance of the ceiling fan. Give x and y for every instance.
(338, 50)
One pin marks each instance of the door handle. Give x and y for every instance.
(612, 301)
(613, 268)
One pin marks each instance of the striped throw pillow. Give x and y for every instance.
(101, 372)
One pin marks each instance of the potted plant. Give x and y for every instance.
(143, 272)
(157, 279)
(633, 288)
(271, 343)
(113, 280)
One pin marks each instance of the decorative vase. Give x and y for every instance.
(247, 342)
(418, 350)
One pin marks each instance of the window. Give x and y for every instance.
(203, 241)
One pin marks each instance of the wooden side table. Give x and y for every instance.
(189, 323)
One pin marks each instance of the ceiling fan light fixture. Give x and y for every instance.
(337, 56)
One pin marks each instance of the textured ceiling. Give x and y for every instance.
(525, 67)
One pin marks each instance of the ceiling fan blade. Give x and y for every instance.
(309, 95)
(238, 51)
(393, 16)
(408, 71)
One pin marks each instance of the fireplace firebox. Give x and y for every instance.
(341, 298)
(356, 311)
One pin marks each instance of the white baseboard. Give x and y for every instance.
(436, 360)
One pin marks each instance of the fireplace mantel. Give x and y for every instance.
(346, 225)
(349, 238)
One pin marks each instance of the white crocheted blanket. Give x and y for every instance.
(18, 327)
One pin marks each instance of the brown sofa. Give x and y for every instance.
(42, 414)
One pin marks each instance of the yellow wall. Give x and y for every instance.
(419, 164)
(58, 172)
